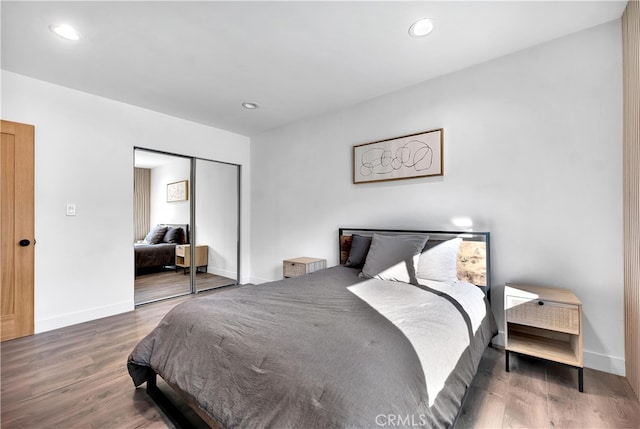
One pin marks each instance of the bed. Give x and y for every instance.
(367, 343)
(158, 249)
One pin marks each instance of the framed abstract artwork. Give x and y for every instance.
(178, 191)
(406, 157)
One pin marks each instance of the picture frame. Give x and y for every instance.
(178, 191)
(406, 157)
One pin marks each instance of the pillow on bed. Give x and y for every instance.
(156, 235)
(358, 252)
(440, 263)
(394, 257)
(174, 235)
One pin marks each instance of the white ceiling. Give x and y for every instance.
(148, 159)
(200, 60)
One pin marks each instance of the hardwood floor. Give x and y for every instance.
(538, 394)
(77, 377)
(163, 284)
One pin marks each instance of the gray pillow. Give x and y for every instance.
(358, 252)
(174, 235)
(156, 235)
(440, 263)
(394, 257)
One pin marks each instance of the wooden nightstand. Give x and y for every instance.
(183, 257)
(299, 266)
(545, 323)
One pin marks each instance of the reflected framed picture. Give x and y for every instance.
(406, 157)
(178, 191)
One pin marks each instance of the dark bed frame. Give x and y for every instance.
(470, 268)
(181, 422)
(170, 410)
(161, 400)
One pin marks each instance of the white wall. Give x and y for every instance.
(84, 154)
(216, 208)
(217, 215)
(532, 147)
(161, 211)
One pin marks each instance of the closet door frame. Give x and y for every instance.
(192, 220)
(192, 211)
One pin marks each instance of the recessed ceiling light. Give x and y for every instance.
(65, 31)
(250, 106)
(421, 27)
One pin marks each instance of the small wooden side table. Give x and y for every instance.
(183, 256)
(299, 266)
(544, 322)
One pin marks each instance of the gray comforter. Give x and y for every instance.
(154, 255)
(326, 350)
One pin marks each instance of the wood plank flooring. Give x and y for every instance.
(539, 394)
(77, 377)
(163, 284)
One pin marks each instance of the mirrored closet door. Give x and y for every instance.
(216, 220)
(182, 207)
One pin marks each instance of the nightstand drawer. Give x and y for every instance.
(293, 269)
(543, 314)
(180, 250)
(299, 266)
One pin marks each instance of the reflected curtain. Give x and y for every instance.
(141, 204)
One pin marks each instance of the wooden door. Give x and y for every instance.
(16, 230)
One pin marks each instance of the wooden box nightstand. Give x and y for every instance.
(299, 266)
(183, 256)
(545, 323)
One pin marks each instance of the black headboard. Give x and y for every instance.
(474, 263)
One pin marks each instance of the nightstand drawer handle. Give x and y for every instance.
(540, 302)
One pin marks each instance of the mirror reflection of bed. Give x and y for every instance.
(162, 230)
(163, 260)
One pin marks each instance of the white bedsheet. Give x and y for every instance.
(408, 307)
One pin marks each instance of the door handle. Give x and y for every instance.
(24, 242)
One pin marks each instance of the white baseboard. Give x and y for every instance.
(498, 340)
(257, 280)
(223, 273)
(76, 317)
(593, 360)
(604, 363)
(244, 280)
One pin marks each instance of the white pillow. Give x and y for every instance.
(393, 257)
(440, 263)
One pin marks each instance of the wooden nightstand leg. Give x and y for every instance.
(581, 379)
(506, 360)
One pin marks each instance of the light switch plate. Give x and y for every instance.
(71, 209)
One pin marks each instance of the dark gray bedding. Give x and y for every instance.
(154, 255)
(326, 350)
